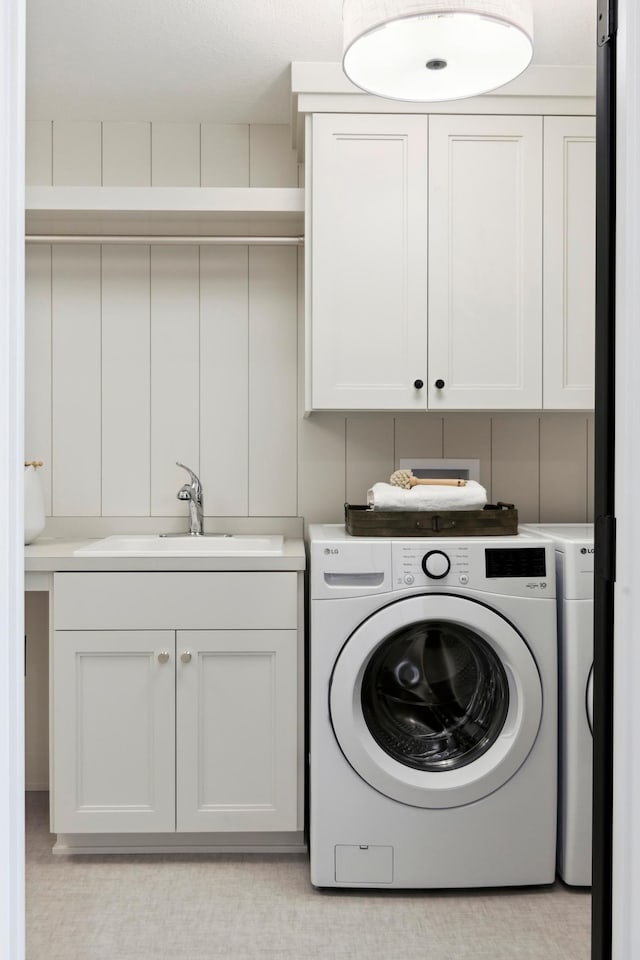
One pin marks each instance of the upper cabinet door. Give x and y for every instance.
(366, 259)
(485, 262)
(569, 261)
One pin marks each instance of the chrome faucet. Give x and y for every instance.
(192, 492)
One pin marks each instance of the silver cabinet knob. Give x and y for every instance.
(185, 657)
(163, 657)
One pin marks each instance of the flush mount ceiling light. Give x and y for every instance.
(426, 50)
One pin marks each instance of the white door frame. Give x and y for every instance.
(626, 704)
(12, 99)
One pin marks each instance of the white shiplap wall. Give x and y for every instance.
(541, 462)
(139, 356)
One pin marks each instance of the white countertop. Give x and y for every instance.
(49, 555)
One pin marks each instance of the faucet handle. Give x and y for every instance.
(195, 480)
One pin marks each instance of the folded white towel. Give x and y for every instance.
(384, 496)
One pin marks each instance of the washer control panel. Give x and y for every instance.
(415, 563)
(525, 570)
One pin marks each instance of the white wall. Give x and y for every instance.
(12, 67)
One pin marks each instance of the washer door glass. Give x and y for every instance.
(436, 700)
(435, 695)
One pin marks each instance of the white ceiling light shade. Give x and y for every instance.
(425, 50)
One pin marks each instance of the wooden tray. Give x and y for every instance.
(495, 520)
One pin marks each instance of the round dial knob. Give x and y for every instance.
(436, 564)
(439, 384)
(418, 384)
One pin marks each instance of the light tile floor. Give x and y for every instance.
(244, 908)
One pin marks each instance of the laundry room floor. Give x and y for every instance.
(222, 907)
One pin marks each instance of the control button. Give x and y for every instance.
(436, 564)
(408, 579)
(464, 579)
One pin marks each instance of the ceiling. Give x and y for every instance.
(220, 61)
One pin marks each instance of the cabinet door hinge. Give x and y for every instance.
(606, 21)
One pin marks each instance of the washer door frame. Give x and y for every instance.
(443, 788)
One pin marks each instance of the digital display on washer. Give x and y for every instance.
(515, 562)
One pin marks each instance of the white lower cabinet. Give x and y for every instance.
(236, 730)
(113, 731)
(187, 730)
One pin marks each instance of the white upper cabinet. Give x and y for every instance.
(366, 260)
(485, 263)
(569, 261)
(434, 246)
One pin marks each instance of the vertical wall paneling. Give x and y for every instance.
(38, 153)
(590, 467)
(272, 381)
(76, 376)
(37, 412)
(175, 416)
(138, 358)
(301, 340)
(563, 477)
(321, 444)
(321, 468)
(369, 453)
(175, 154)
(126, 381)
(224, 154)
(515, 453)
(273, 162)
(77, 153)
(224, 380)
(469, 436)
(419, 436)
(126, 154)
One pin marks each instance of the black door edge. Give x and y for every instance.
(604, 503)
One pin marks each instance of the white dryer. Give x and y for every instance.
(433, 711)
(574, 572)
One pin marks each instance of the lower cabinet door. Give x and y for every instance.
(237, 731)
(113, 731)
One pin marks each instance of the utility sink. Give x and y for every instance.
(171, 545)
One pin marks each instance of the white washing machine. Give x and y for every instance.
(574, 574)
(433, 711)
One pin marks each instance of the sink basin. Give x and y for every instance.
(209, 545)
